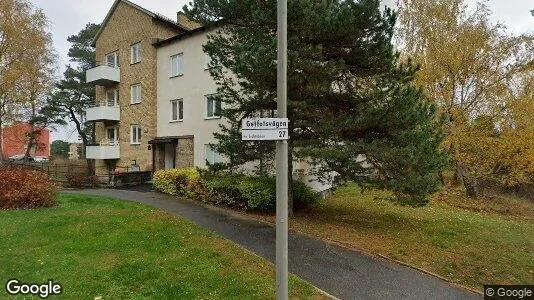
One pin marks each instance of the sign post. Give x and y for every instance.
(282, 290)
(276, 129)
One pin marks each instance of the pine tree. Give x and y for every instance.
(73, 95)
(350, 101)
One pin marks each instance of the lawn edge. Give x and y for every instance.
(319, 290)
(245, 215)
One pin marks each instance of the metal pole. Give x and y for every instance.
(282, 290)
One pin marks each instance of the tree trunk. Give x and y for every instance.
(32, 135)
(85, 140)
(472, 188)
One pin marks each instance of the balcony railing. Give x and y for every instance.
(103, 75)
(105, 149)
(103, 111)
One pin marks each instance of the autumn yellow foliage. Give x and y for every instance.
(482, 79)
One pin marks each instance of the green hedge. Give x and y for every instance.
(233, 190)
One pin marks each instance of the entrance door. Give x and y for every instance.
(169, 156)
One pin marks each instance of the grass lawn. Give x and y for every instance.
(100, 247)
(462, 245)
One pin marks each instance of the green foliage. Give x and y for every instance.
(260, 193)
(60, 148)
(178, 182)
(73, 95)
(239, 191)
(222, 189)
(304, 194)
(256, 193)
(350, 101)
(25, 189)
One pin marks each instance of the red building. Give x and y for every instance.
(15, 141)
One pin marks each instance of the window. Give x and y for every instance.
(112, 59)
(135, 134)
(207, 59)
(112, 97)
(177, 65)
(213, 105)
(135, 94)
(112, 134)
(177, 110)
(212, 156)
(135, 51)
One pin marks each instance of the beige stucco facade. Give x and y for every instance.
(127, 25)
(191, 87)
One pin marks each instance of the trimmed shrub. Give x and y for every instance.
(251, 192)
(238, 191)
(303, 195)
(222, 189)
(25, 189)
(259, 192)
(178, 182)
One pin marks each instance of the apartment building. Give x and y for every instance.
(125, 114)
(188, 106)
(158, 106)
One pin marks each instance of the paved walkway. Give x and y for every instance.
(343, 273)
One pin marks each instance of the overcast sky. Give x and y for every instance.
(68, 17)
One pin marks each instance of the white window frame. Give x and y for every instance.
(177, 65)
(115, 100)
(136, 97)
(115, 140)
(136, 53)
(207, 101)
(115, 56)
(207, 61)
(211, 156)
(179, 104)
(135, 134)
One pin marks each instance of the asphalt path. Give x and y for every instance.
(341, 272)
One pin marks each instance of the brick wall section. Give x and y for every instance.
(128, 26)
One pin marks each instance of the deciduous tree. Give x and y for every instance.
(22, 33)
(60, 148)
(468, 66)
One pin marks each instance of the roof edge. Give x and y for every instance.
(144, 10)
(186, 34)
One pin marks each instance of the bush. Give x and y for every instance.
(178, 182)
(259, 192)
(222, 189)
(251, 192)
(25, 189)
(303, 195)
(233, 190)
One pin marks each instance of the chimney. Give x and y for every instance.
(184, 21)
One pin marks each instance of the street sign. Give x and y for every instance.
(265, 129)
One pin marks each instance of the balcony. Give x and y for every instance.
(103, 111)
(104, 150)
(103, 75)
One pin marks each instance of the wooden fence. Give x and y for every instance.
(65, 172)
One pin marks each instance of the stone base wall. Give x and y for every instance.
(185, 153)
